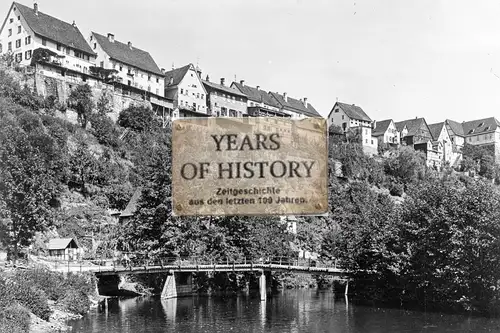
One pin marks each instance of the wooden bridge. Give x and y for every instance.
(185, 267)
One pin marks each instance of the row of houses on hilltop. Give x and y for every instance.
(442, 143)
(63, 58)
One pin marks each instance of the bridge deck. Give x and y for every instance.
(117, 270)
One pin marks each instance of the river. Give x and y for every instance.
(289, 311)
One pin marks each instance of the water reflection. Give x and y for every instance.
(290, 311)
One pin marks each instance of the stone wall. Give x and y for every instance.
(48, 81)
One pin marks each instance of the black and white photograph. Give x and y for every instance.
(275, 166)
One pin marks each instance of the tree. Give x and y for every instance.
(138, 118)
(407, 166)
(82, 100)
(27, 186)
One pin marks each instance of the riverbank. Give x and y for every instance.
(38, 300)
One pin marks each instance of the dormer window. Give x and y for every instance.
(480, 124)
(486, 128)
(471, 131)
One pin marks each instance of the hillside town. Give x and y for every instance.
(61, 58)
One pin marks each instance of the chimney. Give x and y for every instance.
(258, 87)
(171, 81)
(129, 45)
(207, 78)
(163, 70)
(198, 70)
(111, 37)
(285, 97)
(242, 82)
(374, 124)
(305, 102)
(74, 24)
(222, 81)
(35, 7)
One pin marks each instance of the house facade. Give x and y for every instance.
(26, 29)
(350, 117)
(184, 86)
(484, 133)
(223, 101)
(413, 131)
(440, 133)
(135, 67)
(386, 132)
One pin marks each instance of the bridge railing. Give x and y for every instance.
(138, 262)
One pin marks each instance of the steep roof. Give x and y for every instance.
(176, 75)
(54, 29)
(411, 124)
(436, 129)
(256, 95)
(475, 127)
(295, 105)
(229, 90)
(132, 204)
(353, 111)
(60, 243)
(132, 56)
(456, 127)
(381, 127)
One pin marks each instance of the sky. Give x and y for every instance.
(397, 59)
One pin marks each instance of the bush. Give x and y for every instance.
(76, 301)
(14, 319)
(138, 118)
(104, 130)
(396, 189)
(30, 297)
(51, 283)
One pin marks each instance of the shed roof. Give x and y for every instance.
(61, 243)
(132, 204)
(54, 29)
(132, 56)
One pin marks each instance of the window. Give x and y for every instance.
(157, 91)
(336, 110)
(102, 64)
(19, 18)
(78, 54)
(58, 47)
(182, 91)
(95, 46)
(11, 20)
(1, 47)
(149, 77)
(9, 46)
(157, 80)
(67, 50)
(27, 40)
(121, 68)
(44, 42)
(10, 32)
(27, 55)
(198, 95)
(149, 88)
(19, 57)
(18, 43)
(202, 96)
(342, 117)
(19, 29)
(194, 105)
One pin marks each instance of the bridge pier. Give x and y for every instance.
(262, 286)
(177, 285)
